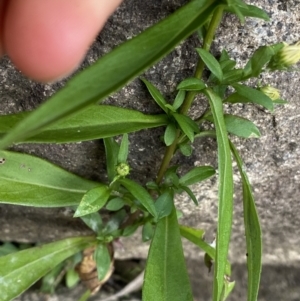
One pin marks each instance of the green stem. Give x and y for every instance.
(170, 150)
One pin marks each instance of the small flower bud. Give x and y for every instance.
(123, 169)
(287, 56)
(271, 92)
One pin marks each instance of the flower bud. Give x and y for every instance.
(288, 56)
(123, 169)
(271, 92)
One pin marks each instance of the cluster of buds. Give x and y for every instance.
(286, 57)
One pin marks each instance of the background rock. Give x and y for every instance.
(272, 162)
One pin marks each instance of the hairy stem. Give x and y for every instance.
(170, 150)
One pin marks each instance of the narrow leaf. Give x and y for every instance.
(251, 11)
(111, 152)
(93, 221)
(191, 84)
(93, 200)
(164, 205)
(187, 125)
(114, 70)
(31, 181)
(18, 271)
(254, 96)
(239, 126)
(190, 193)
(225, 194)
(94, 122)
(179, 99)
(211, 63)
(166, 277)
(170, 134)
(252, 231)
(115, 204)
(196, 175)
(196, 237)
(141, 194)
(123, 151)
(103, 261)
(156, 95)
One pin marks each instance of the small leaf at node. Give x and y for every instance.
(170, 134)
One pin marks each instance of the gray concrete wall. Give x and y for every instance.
(272, 162)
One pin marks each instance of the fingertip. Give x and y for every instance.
(48, 39)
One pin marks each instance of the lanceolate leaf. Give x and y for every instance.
(141, 194)
(225, 194)
(196, 175)
(94, 122)
(166, 276)
(156, 95)
(93, 200)
(239, 126)
(211, 63)
(187, 125)
(111, 152)
(252, 231)
(196, 237)
(115, 69)
(251, 11)
(191, 84)
(18, 271)
(31, 181)
(254, 96)
(123, 152)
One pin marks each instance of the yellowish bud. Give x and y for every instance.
(288, 56)
(123, 169)
(271, 92)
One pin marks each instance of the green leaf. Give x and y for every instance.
(258, 60)
(196, 237)
(239, 126)
(164, 204)
(7, 248)
(280, 101)
(111, 151)
(147, 232)
(179, 99)
(141, 194)
(170, 134)
(166, 277)
(31, 181)
(252, 231)
(190, 193)
(225, 193)
(233, 76)
(49, 280)
(94, 122)
(22, 269)
(103, 261)
(72, 278)
(187, 125)
(156, 95)
(123, 151)
(129, 230)
(251, 11)
(191, 84)
(211, 63)
(93, 200)
(186, 149)
(251, 95)
(114, 70)
(115, 204)
(228, 287)
(196, 175)
(93, 221)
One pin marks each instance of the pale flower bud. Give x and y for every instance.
(123, 169)
(271, 92)
(288, 56)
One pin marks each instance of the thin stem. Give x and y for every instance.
(170, 150)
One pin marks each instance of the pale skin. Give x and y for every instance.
(47, 39)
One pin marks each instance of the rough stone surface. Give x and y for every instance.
(272, 162)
